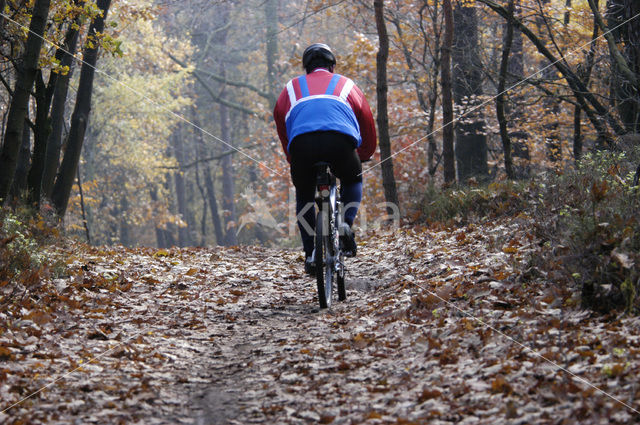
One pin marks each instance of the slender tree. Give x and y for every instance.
(184, 238)
(449, 167)
(551, 103)
(388, 178)
(517, 134)
(59, 101)
(19, 184)
(213, 205)
(419, 66)
(80, 116)
(228, 183)
(18, 109)
(271, 21)
(585, 74)
(502, 79)
(471, 139)
(40, 133)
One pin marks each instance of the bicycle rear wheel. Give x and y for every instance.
(342, 292)
(325, 270)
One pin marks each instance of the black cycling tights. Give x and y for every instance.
(339, 151)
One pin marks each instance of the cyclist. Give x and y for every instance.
(322, 116)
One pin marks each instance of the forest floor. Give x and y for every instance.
(439, 327)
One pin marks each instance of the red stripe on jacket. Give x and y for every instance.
(318, 81)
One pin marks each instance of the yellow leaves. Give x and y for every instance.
(614, 370)
(161, 253)
(512, 247)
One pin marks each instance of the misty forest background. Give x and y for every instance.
(180, 88)
(162, 135)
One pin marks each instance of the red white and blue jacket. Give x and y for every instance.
(323, 101)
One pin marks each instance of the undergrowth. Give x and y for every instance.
(24, 259)
(586, 218)
(590, 215)
(461, 205)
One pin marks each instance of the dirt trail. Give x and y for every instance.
(234, 335)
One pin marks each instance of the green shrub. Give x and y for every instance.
(590, 215)
(477, 202)
(23, 258)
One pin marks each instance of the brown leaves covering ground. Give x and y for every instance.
(430, 333)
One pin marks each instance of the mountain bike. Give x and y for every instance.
(329, 258)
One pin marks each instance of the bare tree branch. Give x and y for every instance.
(209, 90)
(582, 93)
(234, 83)
(211, 158)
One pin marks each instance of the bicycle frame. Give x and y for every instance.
(329, 258)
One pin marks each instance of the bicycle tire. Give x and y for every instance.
(324, 287)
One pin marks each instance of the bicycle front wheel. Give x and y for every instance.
(324, 260)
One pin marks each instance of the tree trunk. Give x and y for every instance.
(471, 139)
(162, 240)
(518, 137)
(626, 63)
(271, 21)
(213, 205)
(632, 9)
(40, 134)
(79, 118)
(502, 78)
(85, 222)
(184, 238)
(388, 178)
(449, 166)
(228, 185)
(586, 76)
(551, 102)
(210, 188)
(54, 141)
(125, 227)
(18, 109)
(432, 94)
(19, 184)
(203, 195)
(44, 96)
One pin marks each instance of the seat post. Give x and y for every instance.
(322, 173)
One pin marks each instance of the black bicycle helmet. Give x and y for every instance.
(318, 54)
